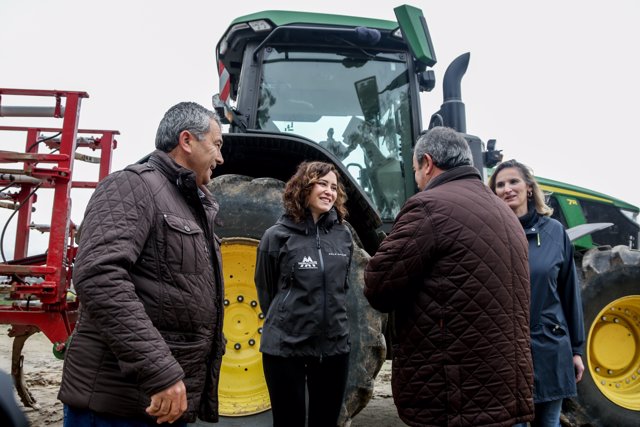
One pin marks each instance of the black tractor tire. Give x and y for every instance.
(612, 351)
(368, 346)
(247, 208)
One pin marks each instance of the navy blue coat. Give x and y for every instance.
(557, 329)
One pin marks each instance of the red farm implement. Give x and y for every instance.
(36, 289)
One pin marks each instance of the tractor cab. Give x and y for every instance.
(347, 88)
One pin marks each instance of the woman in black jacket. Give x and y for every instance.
(557, 329)
(301, 275)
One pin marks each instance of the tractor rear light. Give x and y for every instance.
(260, 26)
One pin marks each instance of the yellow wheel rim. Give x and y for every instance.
(613, 352)
(242, 390)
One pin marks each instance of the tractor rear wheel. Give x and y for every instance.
(247, 208)
(609, 393)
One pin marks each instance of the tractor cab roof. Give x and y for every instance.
(318, 32)
(281, 18)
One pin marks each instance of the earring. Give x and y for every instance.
(529, 194)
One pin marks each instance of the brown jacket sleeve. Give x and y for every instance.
(402, 257)
(116, 226)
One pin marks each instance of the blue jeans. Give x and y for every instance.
(547, 414)
(88, 418)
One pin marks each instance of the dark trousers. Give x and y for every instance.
(326, 381)
(88, 418)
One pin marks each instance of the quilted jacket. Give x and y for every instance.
(148, 276)
(454, 269)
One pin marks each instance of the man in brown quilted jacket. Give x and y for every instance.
(454, 271)
(148, 343)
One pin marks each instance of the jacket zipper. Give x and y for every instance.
(290, 287)
(324, 293)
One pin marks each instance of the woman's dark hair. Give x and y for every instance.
(298, 188)
(527, 175)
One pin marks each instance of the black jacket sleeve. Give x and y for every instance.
(267, 270)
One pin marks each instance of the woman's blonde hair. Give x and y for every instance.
(527, 174)
(298, 188)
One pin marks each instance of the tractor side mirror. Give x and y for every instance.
(492, 156)
(367, 90)
(427, 80)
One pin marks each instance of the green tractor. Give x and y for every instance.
(343, 89)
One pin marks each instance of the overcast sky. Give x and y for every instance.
(556, 83)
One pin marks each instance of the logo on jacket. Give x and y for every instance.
(307, 263)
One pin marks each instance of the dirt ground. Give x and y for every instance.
(43, 372)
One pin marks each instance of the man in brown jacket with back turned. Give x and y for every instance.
(454, 270)
(148, 344)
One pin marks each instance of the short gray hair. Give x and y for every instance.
(184, 116)
(447, 148)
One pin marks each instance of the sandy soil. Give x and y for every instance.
(43, 371)
(42, 374)
(380, 412)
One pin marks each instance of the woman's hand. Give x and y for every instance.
(578, 367)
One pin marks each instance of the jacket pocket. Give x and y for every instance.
(191, 351)
(185, 245)
(286, 290)
(556, 329)
(553, 326)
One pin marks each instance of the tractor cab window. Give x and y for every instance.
(354, 107)
(623, 232)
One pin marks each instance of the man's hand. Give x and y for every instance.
(169, 404)
(578, 367)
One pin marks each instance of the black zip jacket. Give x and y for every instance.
(301, 279)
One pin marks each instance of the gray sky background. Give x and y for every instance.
(556, 83)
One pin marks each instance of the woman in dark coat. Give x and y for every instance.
(557, 329)
(301, 275)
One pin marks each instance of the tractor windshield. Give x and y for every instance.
(356, 107)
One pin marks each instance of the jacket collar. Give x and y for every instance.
(325, 222)
(529, 219)
(183, 178)
(454, 174)
(536, 226)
